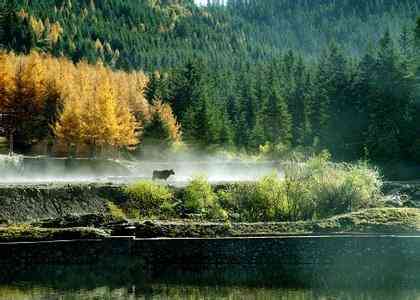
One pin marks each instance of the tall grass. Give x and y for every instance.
(199, 198)
(312, 189)
(148, 199)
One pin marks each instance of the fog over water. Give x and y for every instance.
(29, 170)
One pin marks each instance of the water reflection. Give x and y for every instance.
(128, 279)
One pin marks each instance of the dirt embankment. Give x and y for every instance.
(32, 203)
(80, 207)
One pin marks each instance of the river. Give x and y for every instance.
(117, 282)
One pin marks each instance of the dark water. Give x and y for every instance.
(116, 281)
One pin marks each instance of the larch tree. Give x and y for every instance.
(69, 128)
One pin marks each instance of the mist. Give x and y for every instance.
(186, 165)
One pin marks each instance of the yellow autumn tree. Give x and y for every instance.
(97, 108)
(68, 129)
(7, 70)
(129, 129)
(106, 123)
(26, 100)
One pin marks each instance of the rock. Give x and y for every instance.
(394, 200)
(69, 221)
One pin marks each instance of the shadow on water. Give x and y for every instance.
(123, 279)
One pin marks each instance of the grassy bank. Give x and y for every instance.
(310, 190)
(369, 221)
(27, 233)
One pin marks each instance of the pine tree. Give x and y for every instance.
(258, 137)
(277, 120)
(162, 131)
(389, 109)
(189, 86)
(152, 91)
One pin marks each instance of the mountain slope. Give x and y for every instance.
(150, 34)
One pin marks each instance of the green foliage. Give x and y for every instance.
(162, 34)
(345, 188)
(335, 188)
(147, 198)
(313, 189)
(15, 32)
(269, 199)
(28, 233)
(116, 212)
(200, 198)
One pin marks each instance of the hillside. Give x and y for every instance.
(260, 76)
(151, 34)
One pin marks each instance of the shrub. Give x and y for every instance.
(325, 188)
(342, 188)
(147, 199)
(312, 189)
(200, 198)
(260, 201)
(116, 213)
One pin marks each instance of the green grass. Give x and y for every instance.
(368, 221)
(17, 233)
(314, 189)
(148, 199)
(375, 220)
(4, 147)
(200, 198)
(116, 212)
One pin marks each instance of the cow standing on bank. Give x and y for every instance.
(164, 175)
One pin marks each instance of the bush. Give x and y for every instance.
(343, 188)
(312, 189)
(256, 202)
(200, 198)
(147, 199)
(325, 189)
(116, 213)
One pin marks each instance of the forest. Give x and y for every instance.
(254, 76)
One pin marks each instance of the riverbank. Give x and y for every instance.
(405, 221)
(62, 211)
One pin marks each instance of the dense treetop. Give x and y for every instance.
(151, 34)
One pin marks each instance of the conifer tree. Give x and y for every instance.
(162, 130)
(389, 109)
(153, 91)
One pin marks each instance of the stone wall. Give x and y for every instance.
(305, 260)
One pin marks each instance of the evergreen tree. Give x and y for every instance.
(156, 131)
(389, 109)
(153, 90)
(277, 120)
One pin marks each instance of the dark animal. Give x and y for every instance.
(165, 174)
